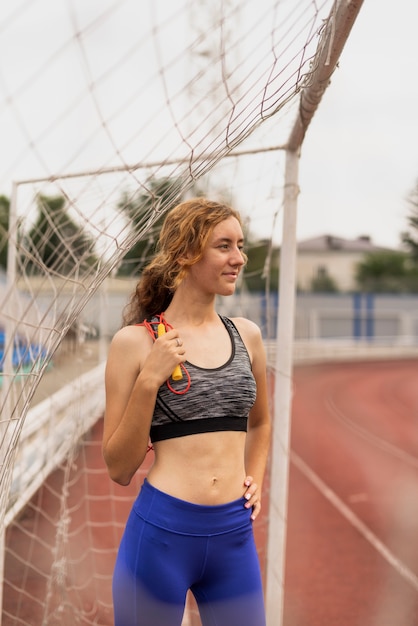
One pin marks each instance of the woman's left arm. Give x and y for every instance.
(259, 423)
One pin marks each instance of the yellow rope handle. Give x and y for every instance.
(177, 373)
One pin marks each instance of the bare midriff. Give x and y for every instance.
(205, 469)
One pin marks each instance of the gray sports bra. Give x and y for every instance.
(219, 399)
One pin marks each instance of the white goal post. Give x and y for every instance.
(215, 97)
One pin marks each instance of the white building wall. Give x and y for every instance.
(340, 266)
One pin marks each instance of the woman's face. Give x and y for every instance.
(218, 269)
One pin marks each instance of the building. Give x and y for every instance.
(328, 255)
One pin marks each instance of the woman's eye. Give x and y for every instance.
(227, 246)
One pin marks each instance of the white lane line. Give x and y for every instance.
(355, 521)
(374, 440)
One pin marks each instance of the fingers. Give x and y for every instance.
(252, 496)
(256, 510)
(166, 354)
(179, 346)
(173, 342)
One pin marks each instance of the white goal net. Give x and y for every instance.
(111, 111)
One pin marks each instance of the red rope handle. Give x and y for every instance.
(152, 331)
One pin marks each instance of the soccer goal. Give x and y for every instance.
(119, 110)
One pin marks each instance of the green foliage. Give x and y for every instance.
(387, 271)
(138, 207)
(258, 277)
(410, 237)
(323, 283)
(55, 241)
(4, 229)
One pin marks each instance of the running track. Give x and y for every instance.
(352, 555)
(352, 546)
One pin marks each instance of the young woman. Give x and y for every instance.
(191, 524)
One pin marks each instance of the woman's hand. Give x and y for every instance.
(166, 353)
(252, 496)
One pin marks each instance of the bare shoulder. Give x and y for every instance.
(130, 342)
(129, 333)
(247, 328)
(251, 335)
(253, 340)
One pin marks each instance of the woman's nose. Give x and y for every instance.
(237, 258)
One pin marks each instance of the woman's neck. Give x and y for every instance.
(187, 308)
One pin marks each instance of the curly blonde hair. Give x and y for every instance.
(182, 240)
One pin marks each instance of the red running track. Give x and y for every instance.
(352, 545)
(352, 553)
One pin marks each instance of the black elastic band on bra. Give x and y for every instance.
(197, 426)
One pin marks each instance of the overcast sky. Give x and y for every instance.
(360, 156)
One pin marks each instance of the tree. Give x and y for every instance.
(387, 271)
(137, 207)
(410, 237)
(257, 276)
(55, 241)
(4, 229)
(323, 283)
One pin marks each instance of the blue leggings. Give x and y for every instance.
(170, 546)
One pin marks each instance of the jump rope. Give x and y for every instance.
(157, 327)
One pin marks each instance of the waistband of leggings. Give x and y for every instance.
(166, 511)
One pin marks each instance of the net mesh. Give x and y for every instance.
(111, 112)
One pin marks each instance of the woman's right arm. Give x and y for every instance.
(135, 370)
